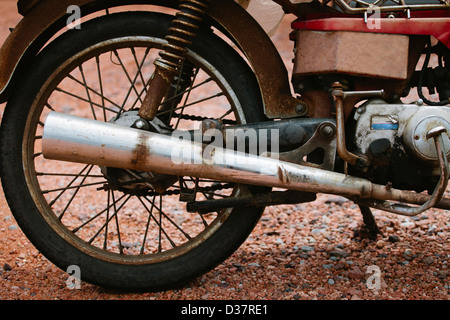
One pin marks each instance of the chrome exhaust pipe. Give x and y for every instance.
(81, 140)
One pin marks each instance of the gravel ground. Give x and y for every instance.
(313, 251)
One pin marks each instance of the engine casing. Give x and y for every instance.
(393, 137)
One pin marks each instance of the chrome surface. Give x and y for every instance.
(74, 139)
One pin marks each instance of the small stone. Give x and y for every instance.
(394, 238)
(341, 265)
(432, 229)
(356, 273)
(83, 217)
(306, 286)
(428, 260)
(339, 253)
(380, 244)
(442, 274)
(354, 292)
(330, 282)
(304, 255)
(254, 264)
(334, 296)
(408, 224)
(307, 248)
(13, 227)
(335, 199)
(7, 267)
(327, 266)
(407, 254)
(317, 231)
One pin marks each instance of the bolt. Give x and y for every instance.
(360, 163)
(140, 124)
(327, 131)
(301, 109)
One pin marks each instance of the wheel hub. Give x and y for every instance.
(132, 181)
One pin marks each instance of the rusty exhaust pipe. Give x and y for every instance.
(81, 140)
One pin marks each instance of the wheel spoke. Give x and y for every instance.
(108, 217)
(127, 74)
(116, 215)
(99, 214)
(100, 94)
(100, 83)
(225, 114)
(85, 100)
(139, 66)
(161, 229)
(108, 201)
(193, 103)
(74, 187)
(188, 93)
(80, 68)
(67, 174)
(143, 91)
(150, 217)
(63, 190)
(133, 83)
(74, 194)
(181, 93)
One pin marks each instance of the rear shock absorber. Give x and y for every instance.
(184, 28)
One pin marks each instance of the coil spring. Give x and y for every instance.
(184, 26)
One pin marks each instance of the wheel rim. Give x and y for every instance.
(120, 227)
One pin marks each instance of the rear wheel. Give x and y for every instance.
(124, 230)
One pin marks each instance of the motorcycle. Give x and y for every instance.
(143, 146)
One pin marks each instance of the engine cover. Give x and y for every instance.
(404, 123)
(393, 137)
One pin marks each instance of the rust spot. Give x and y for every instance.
(282, 176)
(141, 151)
(157, 91)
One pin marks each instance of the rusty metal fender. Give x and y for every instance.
(47, 17)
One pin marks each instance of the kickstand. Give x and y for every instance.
(369, 221)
